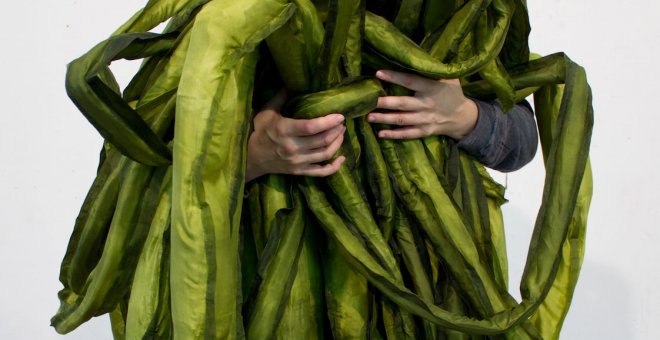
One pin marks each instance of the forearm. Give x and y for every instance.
(502, 141)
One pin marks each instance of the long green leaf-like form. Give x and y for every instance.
(378, 180)
(304, 311)
(108, 283)
(401, 52)
(277, 267)
(91, 225)
(407, 17)
(340, 15)
(414, 264)
(552, 312)
(155, 12)
(353, 47)
(516, 46)
(157, 110)
(495, 198)
(566, 163)
(569, 145)
(345, 300)
(460, 24)
(288, 48)
(547, 70)
(150, 285)
(105, 109)
(100, 289)
(207, 58)
(353, 99)
(169, 74)
(432, 207)
(436, 14)
(493, 72)
(212, 123)
(94, 229)
(347, 292)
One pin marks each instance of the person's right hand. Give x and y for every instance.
(280, 145)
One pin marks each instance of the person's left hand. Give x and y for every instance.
(303, 147)
(437, 108)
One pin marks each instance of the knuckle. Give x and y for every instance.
(406, 81)
(279, 130)
(299, 161)
(289, 149)
(307, 127)
(325, 171)
(428, 104)
(328, 139)
(427, 130)
(283, 153)
(327, 153)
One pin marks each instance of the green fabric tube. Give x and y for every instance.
(110, 280)
(493, 72)
(552, 312)
(460, 24)
(111, 116)
(407, 16)
(212, 124)
(337, 26)
(397, 50)
(538, 72)
(150, 286)
(405, 241)
(304, 311)
(354, 98)
(277, 271)
(92, 224)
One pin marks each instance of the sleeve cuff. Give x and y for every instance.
(477, 140)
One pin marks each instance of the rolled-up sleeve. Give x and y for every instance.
(503, 141)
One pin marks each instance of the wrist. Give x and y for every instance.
(251, 173)
(465, 119)
(252, 168)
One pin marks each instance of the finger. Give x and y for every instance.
(320, 154)
(401, 103)
(309, 127)
(409, 81)
(399, 118)
(409, 132)
(322, 170)
(322, 139)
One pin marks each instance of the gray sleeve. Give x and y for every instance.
(502, 141)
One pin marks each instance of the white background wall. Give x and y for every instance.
(48, 157)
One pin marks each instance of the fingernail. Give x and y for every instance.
(341, 118)
(380, 73)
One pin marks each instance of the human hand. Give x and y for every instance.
(438, 107)
(281, 145)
